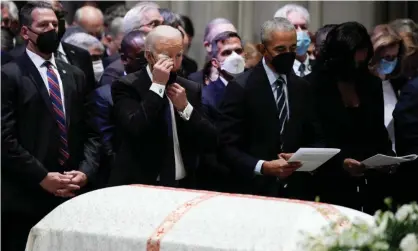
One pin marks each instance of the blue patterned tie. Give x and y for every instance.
(281, 104)
(55, 95)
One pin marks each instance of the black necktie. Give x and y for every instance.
(302, 68)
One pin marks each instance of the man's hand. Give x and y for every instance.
(285, 156)
(354, 167)
(56, 181)
(78, 178)
(177, 95)
(279, 168)
(161, 71)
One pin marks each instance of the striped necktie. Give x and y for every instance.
(55, 95)
(281, 104)
(302, 69)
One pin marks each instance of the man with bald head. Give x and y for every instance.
(91, 20)
(213, 28)
(159, 116)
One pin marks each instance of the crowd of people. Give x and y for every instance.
(113, 99)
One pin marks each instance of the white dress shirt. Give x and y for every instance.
(62, 52)
(297, 64)
(272, 77)
(38, 61)
(160, 90)
(224, 81)
(390, 100)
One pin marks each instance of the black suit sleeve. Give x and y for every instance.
(134, 115)
(406, 121)
(231, 127)
(15, 158)
(92, 144)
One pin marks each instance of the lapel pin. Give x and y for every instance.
(63, 71)
(72, 52)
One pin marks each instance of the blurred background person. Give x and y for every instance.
(6, 40)
(145, 16)
(187, 24)
(311, 48)
(87, 19)
(113, 39)
(10, 18)
(228, 60)
(300, 18)
(252, 55)
(100, 103)
(213, 28)
(405, 25)
(349, 106)
(93, 46)
(172, 19)
(386, 64)
(320, 37)
(406, 122)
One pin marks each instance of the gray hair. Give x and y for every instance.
(161, 32)
(12, 9)
(134, 18)
(289, 8)
(84, 41)
(116, 27)
(78, 16)
(275, 24)
(212, 24)
(222, 37)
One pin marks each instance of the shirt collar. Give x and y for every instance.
(38, 61)
(271, 75)
(61, 49)
(224, 81)
(296, 64)
(149, 72)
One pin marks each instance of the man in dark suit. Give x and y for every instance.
(66, 52)
(158, 115)
(266, 113)
(100, 103)
(227, 58)
(48, 151)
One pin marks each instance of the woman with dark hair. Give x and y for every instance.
(386, 64)
(349, 107)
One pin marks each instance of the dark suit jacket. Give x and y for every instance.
(114, 71)
(212, 95)
(76, 56)
(249, 130)
(110, 59)
(30, 136)
(5, 57)
(360, 133)
(406, 135)
(139, 114)
(188, 66)
(197, 77)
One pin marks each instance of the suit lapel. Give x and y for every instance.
(36, 78)
(71, 55)
(67, 81)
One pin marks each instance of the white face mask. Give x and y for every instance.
(233, 64)
(98, 69)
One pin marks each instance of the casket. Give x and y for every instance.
(133, 218)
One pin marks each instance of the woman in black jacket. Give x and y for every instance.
(349, 106)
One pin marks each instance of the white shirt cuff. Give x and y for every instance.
(157, 88)
(257, 169)
(187, 113)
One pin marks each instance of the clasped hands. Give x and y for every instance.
(161, 74)
(280, 167)
(64, 185)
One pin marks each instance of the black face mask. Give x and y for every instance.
(47, 42)
(283, 63)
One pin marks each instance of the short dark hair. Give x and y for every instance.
(171, 19)
(127, 41)
(187, 25)
(221, 37)
(114, 11)
(25, 14)
(340, 46)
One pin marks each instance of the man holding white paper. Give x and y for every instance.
(267, 113)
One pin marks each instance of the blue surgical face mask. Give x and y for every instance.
(387, 67)
(303, 43)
